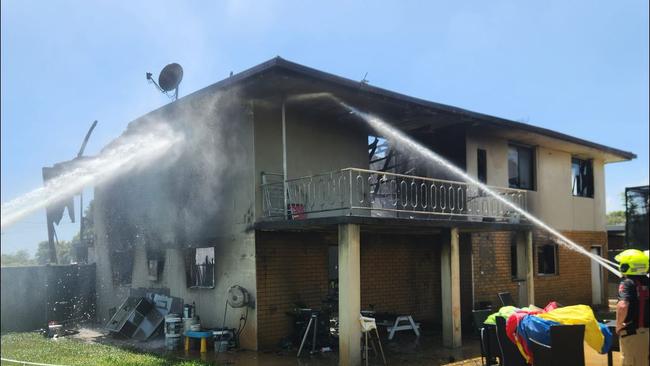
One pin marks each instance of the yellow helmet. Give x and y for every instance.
(632, 262)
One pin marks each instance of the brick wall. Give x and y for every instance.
(399, 274)
(572, 285)
(492, 271)
(291, 267)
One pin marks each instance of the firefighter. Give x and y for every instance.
(632, 308)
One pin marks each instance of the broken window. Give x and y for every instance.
(481, 165)
(521, 167)
(122, 265)
(155, 264)
(547, 259)
(582, 178)
(385, 157)
(200, 267)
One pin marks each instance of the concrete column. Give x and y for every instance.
(349, 295)
(530, 268)
(450, 280)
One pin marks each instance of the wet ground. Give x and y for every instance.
(405, 349)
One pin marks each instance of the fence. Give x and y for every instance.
(32, 296)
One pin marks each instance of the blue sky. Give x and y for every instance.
(579, 67)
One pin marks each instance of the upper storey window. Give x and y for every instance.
(521, 167)
(582, 178)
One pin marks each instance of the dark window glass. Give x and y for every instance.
(513, 166)
(547, 259)
(637, 202)
(582, 178)
(481, 163)
(521, 167)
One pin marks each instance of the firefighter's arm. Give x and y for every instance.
(621, 313)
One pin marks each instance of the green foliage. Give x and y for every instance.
(33, 347)
(63, 251)
(616, 218)
(20, 258)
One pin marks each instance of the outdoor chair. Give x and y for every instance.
(487, 336)
(506, 299)
(566, 348)
(367, 326)
(510, 355)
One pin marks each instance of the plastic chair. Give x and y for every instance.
(367, 325)
(566, 348)
(510, 355)
(506, 299)
(478, 318)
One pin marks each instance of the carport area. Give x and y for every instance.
(338, 268)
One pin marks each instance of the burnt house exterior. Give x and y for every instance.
(286, 193)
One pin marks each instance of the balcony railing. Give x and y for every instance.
(360, 192)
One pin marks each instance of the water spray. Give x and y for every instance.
(128, 152)
(386, 130)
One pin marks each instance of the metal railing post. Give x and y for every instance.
(285, 184)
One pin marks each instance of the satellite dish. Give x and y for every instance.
(170, 76)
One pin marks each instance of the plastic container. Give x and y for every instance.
(173, 324)
(222, 339)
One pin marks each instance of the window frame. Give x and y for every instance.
(590, 178)
(555, 259)
(190, 261)
(533, 165)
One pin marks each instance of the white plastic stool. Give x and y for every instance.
(367, 325)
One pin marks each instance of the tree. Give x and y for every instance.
(19, 258)
(63, 249)
(616, 218)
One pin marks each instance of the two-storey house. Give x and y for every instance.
(280, 189)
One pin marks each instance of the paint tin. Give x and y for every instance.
(222, 339)
(173, 325)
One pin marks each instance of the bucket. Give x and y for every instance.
(222, 338)
(172, 341)
(173, 325)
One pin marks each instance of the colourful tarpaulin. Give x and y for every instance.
(582, 314)
(504, 312)
(535, 323)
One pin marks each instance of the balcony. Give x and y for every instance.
(368, 193)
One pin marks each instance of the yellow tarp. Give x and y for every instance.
(579, 314)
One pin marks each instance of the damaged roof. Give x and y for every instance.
(279, 78)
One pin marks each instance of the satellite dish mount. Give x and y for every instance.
(168, 80)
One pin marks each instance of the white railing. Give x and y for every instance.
(360, 192)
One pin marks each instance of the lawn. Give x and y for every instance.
(33, 347)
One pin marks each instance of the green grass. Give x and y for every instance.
(33, 347)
